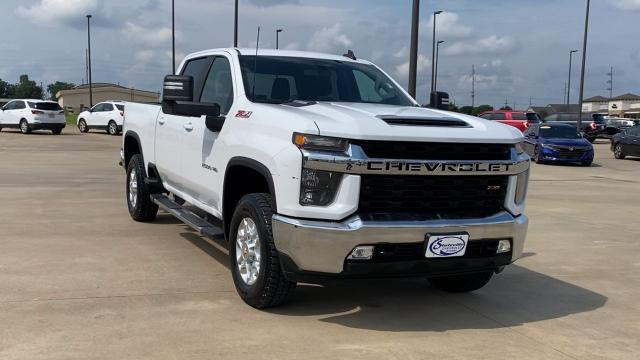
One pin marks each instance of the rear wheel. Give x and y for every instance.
(617, 152)
(112, 128)
(141, 207)
(255, 265)
(461, 283)
(25, 128)
(82, 126)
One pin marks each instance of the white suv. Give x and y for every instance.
(32, 114)
(106, 115)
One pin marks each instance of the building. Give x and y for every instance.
(597, 104)
(78, 97)
(626, 105)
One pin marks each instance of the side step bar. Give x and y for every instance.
(203, 227)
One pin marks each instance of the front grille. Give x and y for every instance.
(562, 151)
(434, 151)
(433, 197)
(416, 251)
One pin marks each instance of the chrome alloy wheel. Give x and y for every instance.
(24, 126)
(133, 188)
(617, 151)
(113, 128)
(248, 251)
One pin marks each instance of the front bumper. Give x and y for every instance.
(321, 247)
(548, 154)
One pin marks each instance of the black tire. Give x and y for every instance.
(56, 131)
(270, 288)
(461, 283)
(586, 163)
(536, 156)
(112, 128)
(82, 126)
(617, 152)
(142, 209)
(25, 128)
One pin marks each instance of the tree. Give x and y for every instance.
(506, 108)
(466, 110)
(6, 89)
(57, 86)
(27, 89)
(482, 108)
(453, 107)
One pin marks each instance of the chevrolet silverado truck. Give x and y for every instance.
(315, 167)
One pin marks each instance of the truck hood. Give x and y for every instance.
(401, 123)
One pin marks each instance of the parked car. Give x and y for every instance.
(107, 115)
(626, 143)
(32, 114)
(556, 142)
(593, 125)
(616, 125)
(316, 166)
(518, 119)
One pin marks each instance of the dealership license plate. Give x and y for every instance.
(51, 116)
(442, 246)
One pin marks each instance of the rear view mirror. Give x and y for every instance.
(177, 88)
(439, 100)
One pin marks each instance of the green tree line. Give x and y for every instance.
(29, 89)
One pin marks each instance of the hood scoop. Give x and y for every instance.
(442, 121)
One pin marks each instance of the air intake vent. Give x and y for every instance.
(424, 121)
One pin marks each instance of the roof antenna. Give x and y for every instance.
(350, 55)
(255, 67)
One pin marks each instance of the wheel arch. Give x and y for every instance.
(132, 146)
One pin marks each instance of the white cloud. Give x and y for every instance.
(423, 63)
(329, 39)
(149, 36)
(626, 4)
(493, 44)
(448, 25)
(145, 55)
(482, 82)
(54, 12)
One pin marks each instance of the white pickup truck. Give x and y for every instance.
(316, 166)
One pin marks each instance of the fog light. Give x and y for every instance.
(361, 253)
(504, 246)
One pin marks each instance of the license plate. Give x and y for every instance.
(450, 245)
(51, 116)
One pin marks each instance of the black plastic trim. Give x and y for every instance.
(257, 166)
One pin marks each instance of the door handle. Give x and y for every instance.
(188, 126)
(161, 121)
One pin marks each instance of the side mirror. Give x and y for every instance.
(177, 88)
(439, 100)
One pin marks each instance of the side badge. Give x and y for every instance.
(244, 114)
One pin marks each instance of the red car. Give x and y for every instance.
(518, 119)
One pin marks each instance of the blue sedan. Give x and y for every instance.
(553, 142)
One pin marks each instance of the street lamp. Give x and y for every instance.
(173, 35)
(235, 27)
(569, 83)
(433, 51)
(435, 80)
(413, 52)
(278, 31)
(89, 59)
(584, 60)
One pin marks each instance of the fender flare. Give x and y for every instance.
(259, 168)
(124, 142)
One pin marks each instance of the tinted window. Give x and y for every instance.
(563, 132)
(20, 105)
(486, 116)
(317, 80)
(599, 119)
(120, 107)
(10, 105)
(634, 131)
(45, 106)
(553, 117)
(197, 68)
(218, 87)
(107, 107)
(533, 118)
(518, 116)
(97, 107)
(499, 116)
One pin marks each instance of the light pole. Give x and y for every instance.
(235, 27)
(584, 60)
(89, 59)
(173, 35)
(569, 83)
(278, 31)
(433, 51)
(435, 80)
(413, 52)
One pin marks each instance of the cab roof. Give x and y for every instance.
(278, 52)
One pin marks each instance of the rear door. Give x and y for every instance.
(200, 160)
(172, 130)
(633, 141)
(106, 114)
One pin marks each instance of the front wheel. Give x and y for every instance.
(112, 128)
(82, 126)
(141, 207)
(617, 152)
(461, 283)
(586, 163)
(255, 265)
(25, 128)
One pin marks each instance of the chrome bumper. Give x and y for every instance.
(322, 246)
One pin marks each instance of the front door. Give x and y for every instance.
(93, 119)
(200, 160)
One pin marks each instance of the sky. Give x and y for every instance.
(520, 48)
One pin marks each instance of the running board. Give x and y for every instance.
(203, 227)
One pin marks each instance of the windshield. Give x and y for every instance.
(51, 106)
(599, 119)
(285, 79)
(561, 132)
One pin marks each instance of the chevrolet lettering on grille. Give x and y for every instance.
(430, 167)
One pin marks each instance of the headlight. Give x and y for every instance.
(519, 148)
(323, 143)
(318, 187)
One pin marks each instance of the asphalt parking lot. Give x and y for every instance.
(80, 280)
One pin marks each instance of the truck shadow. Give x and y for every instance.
(515, 297)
